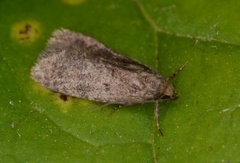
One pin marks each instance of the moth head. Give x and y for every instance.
(169, 92)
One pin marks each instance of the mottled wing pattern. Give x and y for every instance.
(77, 65)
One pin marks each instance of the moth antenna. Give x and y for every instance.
(176, 72)
(156, 115)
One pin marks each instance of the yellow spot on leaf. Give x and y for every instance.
(26, 31)
(73, 2)
(64, 103)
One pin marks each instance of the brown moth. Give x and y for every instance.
(77, 65)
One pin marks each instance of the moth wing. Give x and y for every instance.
(77, 65)
(65, 38)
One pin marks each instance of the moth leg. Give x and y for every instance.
(156, 114)
(100, 107)
(116, 108)
(176, 72)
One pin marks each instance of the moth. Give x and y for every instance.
(77, 65)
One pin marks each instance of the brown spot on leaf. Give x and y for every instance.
(63, 97)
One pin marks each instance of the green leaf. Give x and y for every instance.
(37, 125)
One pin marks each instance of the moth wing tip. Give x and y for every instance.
(58, 34)
(60, 31)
